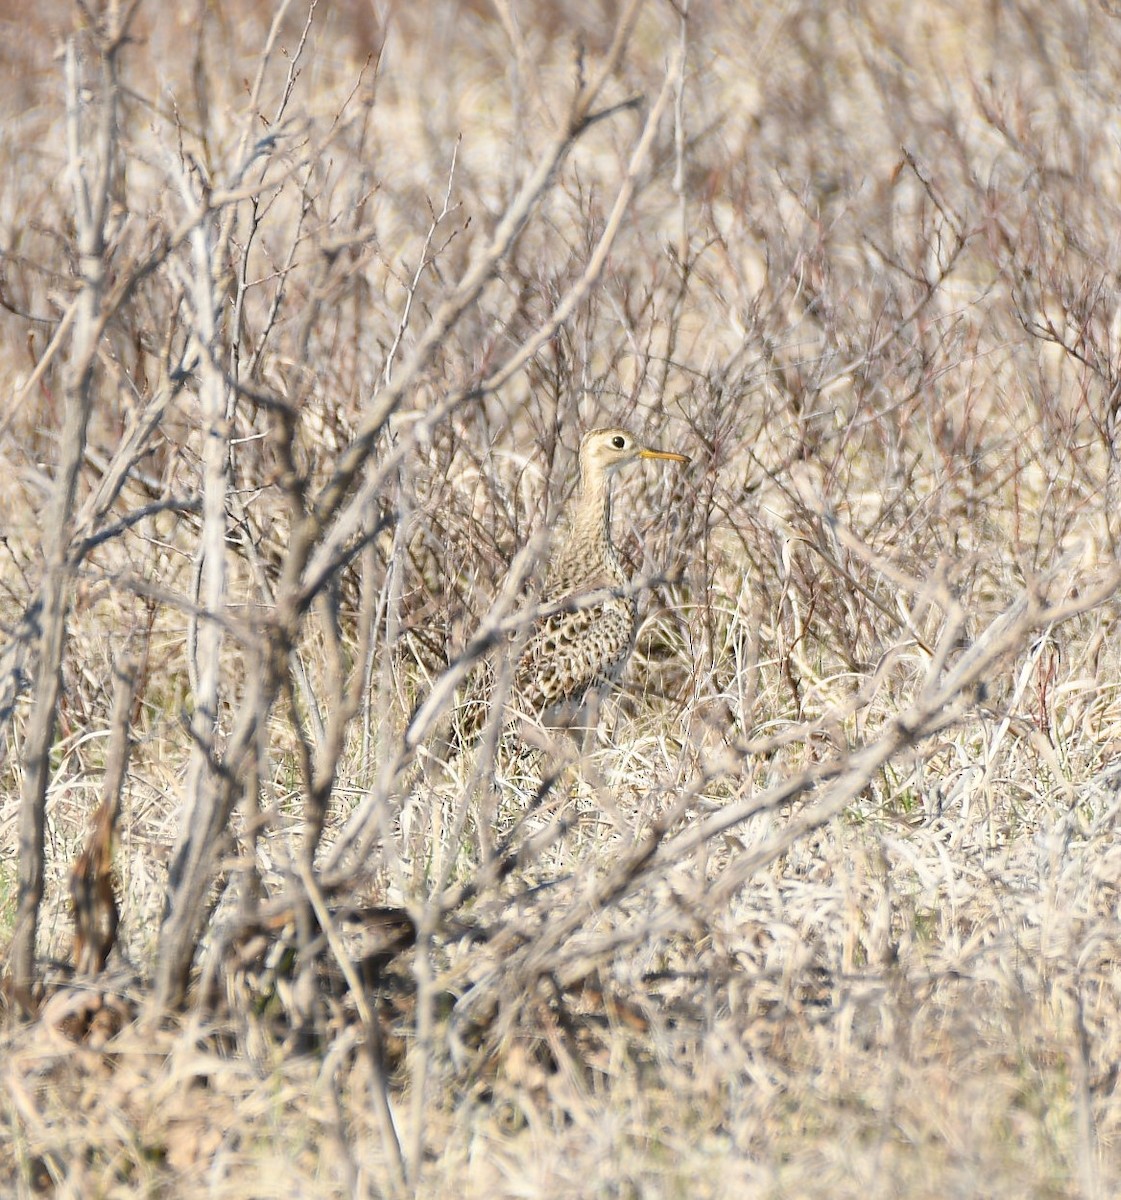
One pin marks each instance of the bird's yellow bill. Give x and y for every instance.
(647, 453)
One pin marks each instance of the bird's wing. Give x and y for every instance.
(569, 653)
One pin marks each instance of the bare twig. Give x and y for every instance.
(92, 148)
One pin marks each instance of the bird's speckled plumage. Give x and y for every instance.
(570, 654)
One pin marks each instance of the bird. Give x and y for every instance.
(578, 649)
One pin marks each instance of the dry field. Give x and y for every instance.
(302, 313)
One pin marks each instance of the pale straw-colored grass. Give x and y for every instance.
(867, 281)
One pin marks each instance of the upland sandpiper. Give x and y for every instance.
(580, 650)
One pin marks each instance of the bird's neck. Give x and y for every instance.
(592, 515)
(586, 553)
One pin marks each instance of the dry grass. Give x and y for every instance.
(832, 907)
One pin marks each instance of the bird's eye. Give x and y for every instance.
(620, 443)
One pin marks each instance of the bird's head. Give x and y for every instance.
(603, 451)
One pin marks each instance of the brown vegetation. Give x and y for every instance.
(302, 313)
